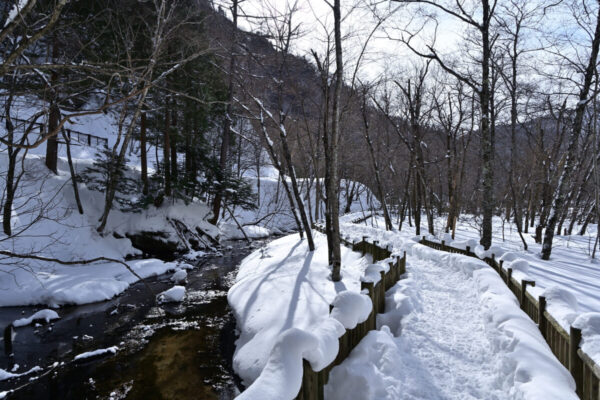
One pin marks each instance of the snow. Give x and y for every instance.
(562, 305)
(351, 308)
(63, 233)
(173, 295)
(589, 323)
(15, 10)
(284, 288)
(95, 353)
(570, 281)
(232, 232)
(4, 375)
(452, 330)
(179, 276)
(47, 315)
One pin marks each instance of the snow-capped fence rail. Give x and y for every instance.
(83, 138)
(565, 345)
(313, 383)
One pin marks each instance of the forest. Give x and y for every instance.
(141, 137)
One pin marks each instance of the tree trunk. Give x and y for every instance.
(299, 202)
(144, 158)
(487, 144)
(226, 134)
(73, 174)
(174, 136)
(53, 118)
(332, 152)
(381, 193)
(567, 171)
(167, 149)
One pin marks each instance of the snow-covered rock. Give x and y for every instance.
(173, 295)
(179, 276)
(46, 315)
(96, 353)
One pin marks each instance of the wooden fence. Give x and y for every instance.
(313, 382)
(564, 345)
(83, 138)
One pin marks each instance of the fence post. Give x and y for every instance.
(542, 322)
(524, 284)
(468, 248)
(508, 277)
(575, 363)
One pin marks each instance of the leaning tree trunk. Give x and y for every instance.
(73, 174)
(559, 197)
(386, 215)
(297, 195)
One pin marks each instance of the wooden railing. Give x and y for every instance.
(83, 138)
(565, 345)
(313, 383)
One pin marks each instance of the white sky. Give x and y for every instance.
(386, 56)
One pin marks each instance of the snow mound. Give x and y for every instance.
(173, 295)
(4, 375)
(519, 265)
(179, 276)
(232, 232)
(589, 323)
(399, 302)
(281, 377)
(497, 251)
(47, 315)
(351, 308)
(373, 273)
(562, 305)
(95, 353)
(447, 238)
(509, 256)
(282, 286)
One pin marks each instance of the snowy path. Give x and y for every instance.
(447, 336)
(441, 351)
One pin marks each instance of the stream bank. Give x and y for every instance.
(175, 351)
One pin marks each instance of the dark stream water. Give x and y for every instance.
(177, 351)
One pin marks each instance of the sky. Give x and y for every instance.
(385, 56)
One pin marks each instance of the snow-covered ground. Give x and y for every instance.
(570, 280)
(283, 286)
(46, 223)
(570, 268)
(452, 330)
(274, 211)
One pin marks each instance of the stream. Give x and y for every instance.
(175, 351)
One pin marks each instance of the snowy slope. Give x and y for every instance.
(59, 231)
(274, 211)
(281, 287)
